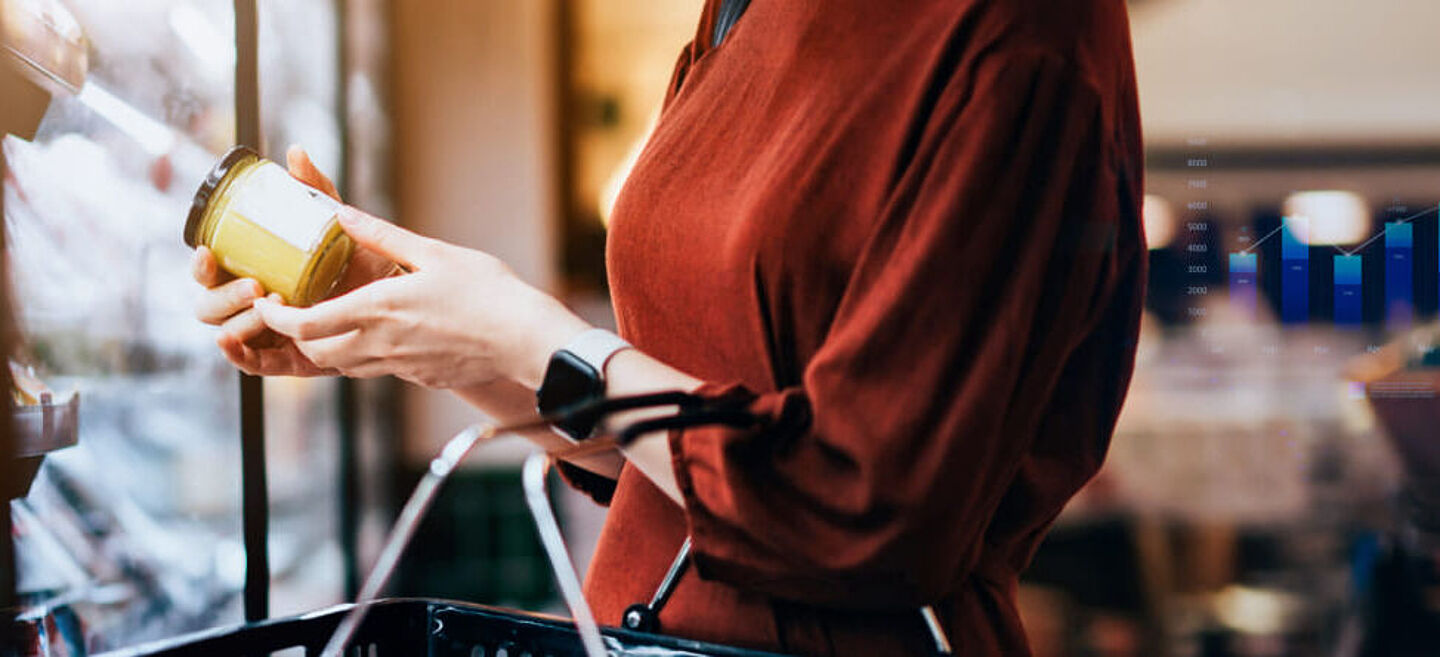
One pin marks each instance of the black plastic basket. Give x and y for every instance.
(426, 628)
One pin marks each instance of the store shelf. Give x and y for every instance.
(52, 424)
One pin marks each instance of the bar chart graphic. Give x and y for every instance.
(1244, 279)
(1372, 282)
(1349, 289)
(1399, 273)
(1295, 268)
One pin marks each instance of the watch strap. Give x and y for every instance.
(596, 347)
(576, 375)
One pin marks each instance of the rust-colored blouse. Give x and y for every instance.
(908, 233)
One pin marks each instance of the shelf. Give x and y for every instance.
(50, 425)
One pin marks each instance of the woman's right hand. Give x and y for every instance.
(228, 301)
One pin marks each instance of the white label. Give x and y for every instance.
(287, 208)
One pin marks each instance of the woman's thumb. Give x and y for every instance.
(399, 245)
(303, 169)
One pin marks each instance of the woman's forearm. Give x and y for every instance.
(632, 372)
(629, 372)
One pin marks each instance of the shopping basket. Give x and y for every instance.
(431, 628)
(425, 628)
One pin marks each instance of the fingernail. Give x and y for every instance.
(347, 218)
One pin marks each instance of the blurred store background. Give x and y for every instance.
(1293, 183)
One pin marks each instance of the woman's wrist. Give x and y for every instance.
(629, 372)
(632, 372)
(508, 402)
(554, 327)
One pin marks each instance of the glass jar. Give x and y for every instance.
(261, 223)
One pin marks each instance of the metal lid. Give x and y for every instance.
(207, 189)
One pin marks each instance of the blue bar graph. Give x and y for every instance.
(1349, 290)
(1399, 273)
(1294, 272)
(1243, 289)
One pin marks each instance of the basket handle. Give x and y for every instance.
(937, 632)
(537, 497)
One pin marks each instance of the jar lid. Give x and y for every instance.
(207, 189)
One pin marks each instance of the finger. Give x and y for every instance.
(205, 269)
(247, 327)
(373, 264)
(401, 246)
(288, 360)
(365, 266)
(283, 360)
(218, 304)
(243, 358)
(333, 317)
(304, 170)
(337, 351)
(375, 367)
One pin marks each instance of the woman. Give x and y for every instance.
(904, 234)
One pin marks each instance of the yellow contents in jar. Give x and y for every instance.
(263, 224)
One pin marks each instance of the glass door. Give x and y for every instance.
(134, 534)
(135, 530)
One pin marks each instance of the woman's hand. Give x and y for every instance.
(228, 301)
(460, 318)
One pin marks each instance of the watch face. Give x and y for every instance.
(569, 381)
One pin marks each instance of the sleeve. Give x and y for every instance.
(991, 263)
(598, 487)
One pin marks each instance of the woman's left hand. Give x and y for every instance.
(460, 318)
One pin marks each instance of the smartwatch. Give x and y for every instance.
(576, 374)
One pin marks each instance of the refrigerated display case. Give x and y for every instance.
(135, 533)
(134, 528)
